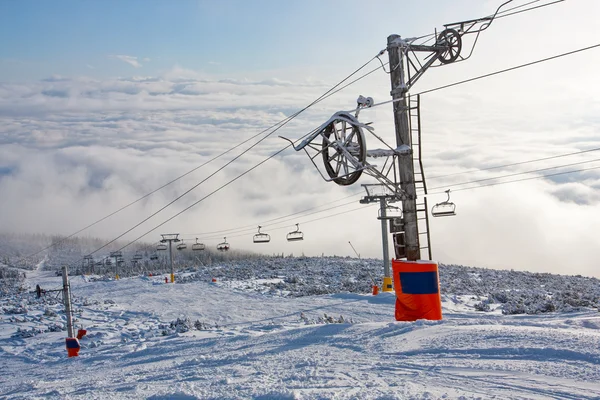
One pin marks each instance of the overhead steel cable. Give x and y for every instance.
(243, 229)
(362, 207)
(282, 122)
(429, 91)
(515, 174)
(528, 9)
(521, 180)
(483, 76)
(513, 164)
(499, 14)
(269, 226)
(240, 231)
(391, 101)
(509, 69)
(265, 223)
(330, 92)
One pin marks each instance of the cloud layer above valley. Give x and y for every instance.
(76, 149)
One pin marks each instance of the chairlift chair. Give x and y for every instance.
(154, 257)
(181, 246)
(224, 246)
(137, 256)
(198, 246)
(108, 261)
(161, 247)
(261, 237)
(295, 235)
(445, 208)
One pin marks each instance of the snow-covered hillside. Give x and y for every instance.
(283, 328)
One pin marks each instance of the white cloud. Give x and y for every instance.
(74, 150)
(131, 60)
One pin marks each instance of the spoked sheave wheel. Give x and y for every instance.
(340, 134)
(451, 39)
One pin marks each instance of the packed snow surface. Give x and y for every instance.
(230, 339)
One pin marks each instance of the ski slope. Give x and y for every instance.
(265, 346)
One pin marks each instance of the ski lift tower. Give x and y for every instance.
(88, 264)
(340, 141)
(406, 67)
(117, 256)
(170, 238)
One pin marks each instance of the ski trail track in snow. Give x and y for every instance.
(263, 349)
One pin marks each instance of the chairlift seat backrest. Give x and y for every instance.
(198, 246)
(293, 236)
(224, 246)
(181, 246)
(161, 247)
(261, 238)
(443, 210)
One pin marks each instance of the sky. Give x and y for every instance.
(104, 102)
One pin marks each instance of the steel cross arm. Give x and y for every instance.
(418, 47)
(413, 79)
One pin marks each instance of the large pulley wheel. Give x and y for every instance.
(344, 150)
(451, 40)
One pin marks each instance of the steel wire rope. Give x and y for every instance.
(513, 164)
(528, 9)
(515, 174)
(391, 101)
(430, 36)
(520, 180)
(484, 76)
(247, 140)
(424, 92)
(270, 226)
(282, 122)
(362, 207)
(327, 94)
(250, 228)
(264, 223)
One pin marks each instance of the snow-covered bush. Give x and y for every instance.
(26, 333)
(49, 313)
(16, 310)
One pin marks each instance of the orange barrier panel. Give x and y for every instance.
(72, 347)
(417, 290)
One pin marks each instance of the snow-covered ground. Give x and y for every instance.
(236, 341)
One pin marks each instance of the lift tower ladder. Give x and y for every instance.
(414, 121)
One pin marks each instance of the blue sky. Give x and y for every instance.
(79, 37)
